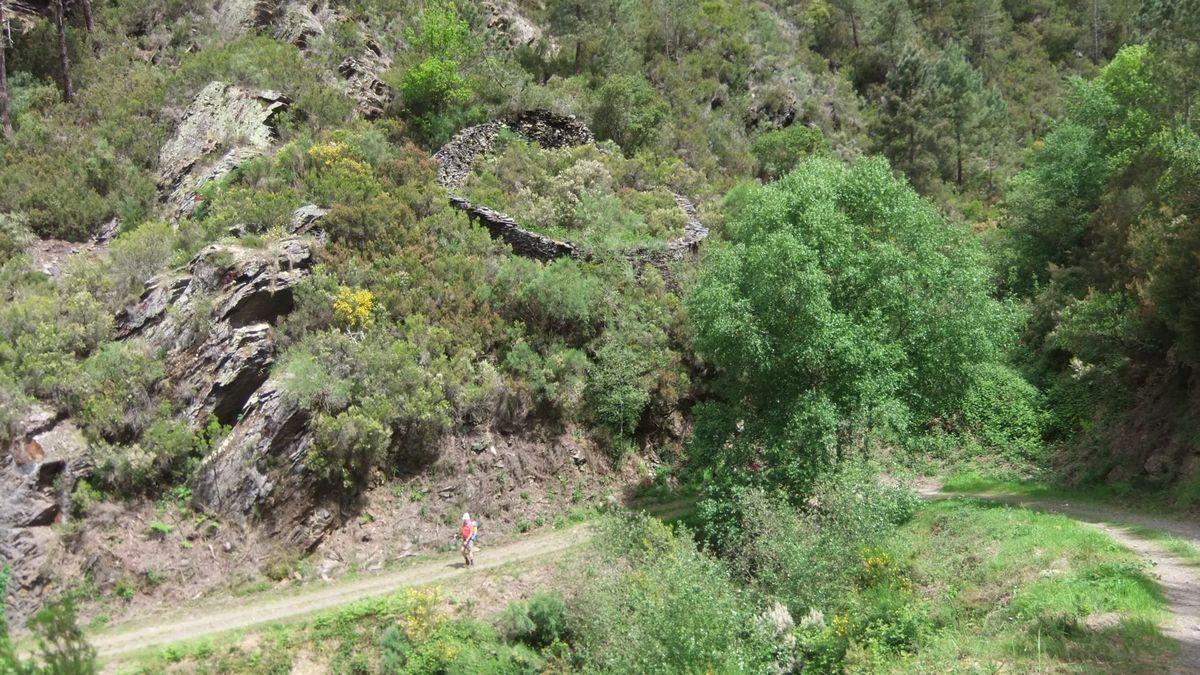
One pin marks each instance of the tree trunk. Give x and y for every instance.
(578, 37)
(958, 158)
(1095, 31)
(854, 28)
(60, 20)
(87, 15)
(5, 120)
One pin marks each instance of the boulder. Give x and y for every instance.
(223, 127)
(299, 22)
(212, 322)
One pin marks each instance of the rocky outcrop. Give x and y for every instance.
(212, 322)
(363, 80)
(235, 18)
(503, 18)
(258, 473)
(37, 472)
(300, 22)
(549, 130)
(772, 109)
(223, 127)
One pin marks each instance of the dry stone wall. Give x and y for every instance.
(549, 130)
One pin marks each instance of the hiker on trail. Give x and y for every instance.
(469, 535)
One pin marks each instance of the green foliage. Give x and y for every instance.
(780, 150)
(367, 396)
(806, 559)
(61, 645)
(665, 608)
(1005, 412)
(629, 112)
(616, 390)
(835, 313)
(347, 446)
(167, 452)
(589, 194)
(538, 622)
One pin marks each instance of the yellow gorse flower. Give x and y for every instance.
(352, 308)
(840, 624)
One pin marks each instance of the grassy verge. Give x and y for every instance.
(1177, 499)
(1013, 590)
(1184, 549)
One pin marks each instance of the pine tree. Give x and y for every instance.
(60, 21)
(5, 117)
(962, 103)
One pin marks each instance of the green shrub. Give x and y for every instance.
(166, 453)
(655, 604)
(615, 389)
(14, 235)
(347, 446)
(778, 151)
(629, 112)
(808, 559)
(538, 622)
(61, 645)
(119, 396)
(1005, 412)
(136, 256)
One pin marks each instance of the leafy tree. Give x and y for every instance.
(844, 305)
(441, 38)
(1173, 27)
(778, 151)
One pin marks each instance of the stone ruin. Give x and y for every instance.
(550, 130)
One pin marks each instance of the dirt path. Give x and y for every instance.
(244, 613)
(231, 614)
(1180, 580)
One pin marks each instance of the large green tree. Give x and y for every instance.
(844, 306)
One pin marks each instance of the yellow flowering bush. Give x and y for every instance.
(353, 307)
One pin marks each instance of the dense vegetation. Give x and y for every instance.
(944, 233)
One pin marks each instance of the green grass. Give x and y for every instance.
(1179, 498)
(1014, 590)
(1184, 549)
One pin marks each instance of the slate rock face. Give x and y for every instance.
(223, 127)
(509, 23)
(235, 18)
(37, 472)
(258, 473)
(363, 84)
(212, 322)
